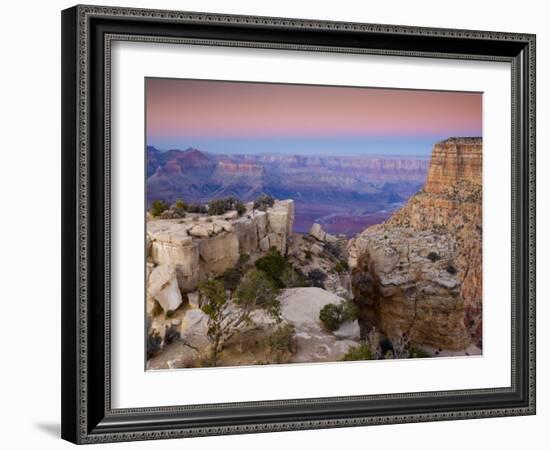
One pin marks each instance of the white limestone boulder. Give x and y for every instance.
(163, 287)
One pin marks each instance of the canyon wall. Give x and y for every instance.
(448, 211)
(453, 160)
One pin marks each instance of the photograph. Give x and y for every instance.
(282, 219)
(302, 223)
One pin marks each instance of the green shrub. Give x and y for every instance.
(180, 204)
(359, 353)
(291, 278)
(451, 269)
(433, 256)
(243, 261)
(316, 278)
(231, 279)
(350, 311)
(280, 343)
(196, 208)
(158, 207)
(273, 265)
(331, 316)
(221, 206)
(341, 266)
(154, 344)
(240, 208)
(416, 352)
(263, 202)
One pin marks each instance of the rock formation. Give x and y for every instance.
(405, 283)
(441, 305)
(201, 246)
(321, 251)
(453, 160)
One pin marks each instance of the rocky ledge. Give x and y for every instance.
(405, 283)
(182, 252)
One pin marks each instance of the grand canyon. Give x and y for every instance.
(344, 194)
(259, 259)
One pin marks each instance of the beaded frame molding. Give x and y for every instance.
(87, 35)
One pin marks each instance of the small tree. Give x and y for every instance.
(231, 279)
(258, 291)
(158, 207)
(400, 344)
(331, 316)
(360, 353)
(273, 265)
(239, 207)
(228, 316)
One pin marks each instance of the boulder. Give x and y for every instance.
(163, 287)
(183, 253)
(194, 330)
(317, 232)
(301, 307)
(202, 231)
(316, 249)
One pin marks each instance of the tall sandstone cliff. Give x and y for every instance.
(420, 272)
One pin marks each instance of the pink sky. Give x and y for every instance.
(233, 109)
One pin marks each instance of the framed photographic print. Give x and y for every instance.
(279, 224)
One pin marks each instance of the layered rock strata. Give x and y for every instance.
(448, 209)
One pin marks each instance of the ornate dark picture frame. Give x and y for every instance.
(87, 34)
